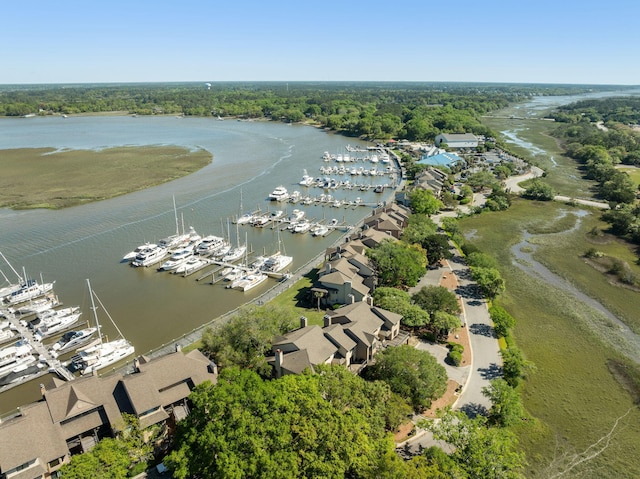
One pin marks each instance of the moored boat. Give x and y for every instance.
(103, 353)
(72, 340)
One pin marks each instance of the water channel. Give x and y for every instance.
(151, 308)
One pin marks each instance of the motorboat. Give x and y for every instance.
(296, 215)
(21, 373)
(55, 321)
(295, 197)
(130, 256)
(245, 218)
(20, 354)
(279, 194)
(320, 230)
(276, 263)
(261, 220)
(378, 189)
(306, 179)
(30, 290)
(190, 265)
(235, 273)
(103, 353)
(249, 281)
(72, 340)
(302, 227)
(38, 305)
(176, 259)
(6, 334)
(149, 256)
(235, 254)
(210, 244)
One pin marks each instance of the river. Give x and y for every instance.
(68, 246)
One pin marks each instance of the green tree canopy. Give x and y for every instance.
(418, 228)
(109, 459)
(539, 190)
(489, 280)
(304, 425)
(398, 301)
(506, 404)
(481, 451)
(397, 263)
(438, 248)
(436, 298)
(424, 202)
(247, 337)
(413, 374)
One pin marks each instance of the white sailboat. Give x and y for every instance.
(104, 353)
(10, 287)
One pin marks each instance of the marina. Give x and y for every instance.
(250, 159)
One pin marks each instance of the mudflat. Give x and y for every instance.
(50, 178)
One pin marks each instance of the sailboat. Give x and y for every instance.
(176, 241)
(11, 287)
(277, 261)
(103, 353)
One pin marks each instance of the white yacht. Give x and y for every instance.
(320, 230)
(38, 305)
(150, 256)
(302, 227)
(176, 259)
(279, 194)
(18, 355)
(276, 263)
(245, 218)
(306, 179)
(54, 321)
(235, 254)
(249, 281)
(210, 244)
(102, 354)
(31, 290)
(72, 340)
(190, 265)
(131, 255)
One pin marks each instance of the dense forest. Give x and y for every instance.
(413, 111)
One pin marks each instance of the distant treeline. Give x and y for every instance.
(413, 111)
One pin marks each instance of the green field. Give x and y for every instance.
(572, 395)
(47, 178)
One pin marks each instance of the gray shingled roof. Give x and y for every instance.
(311, 339)
(32, 435)
(336, 334)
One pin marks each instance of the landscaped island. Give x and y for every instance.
(48, 178)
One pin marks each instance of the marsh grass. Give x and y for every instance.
(572, 394)
(47, 178)
(563, 174)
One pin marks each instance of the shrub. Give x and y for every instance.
(454, 357)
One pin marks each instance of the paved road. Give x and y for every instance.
(487, 361)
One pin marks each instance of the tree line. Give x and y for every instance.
(415, 111)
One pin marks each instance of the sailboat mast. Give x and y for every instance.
(20, 280)
(175, 212)
(95, 312)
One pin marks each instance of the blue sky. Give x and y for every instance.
(560, 41)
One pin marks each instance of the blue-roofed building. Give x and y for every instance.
(442, 159)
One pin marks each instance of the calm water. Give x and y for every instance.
(152, 308)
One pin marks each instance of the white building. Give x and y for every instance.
(457, 140)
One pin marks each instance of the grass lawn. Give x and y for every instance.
(573, 397)
(47, 178)
(296, 298)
